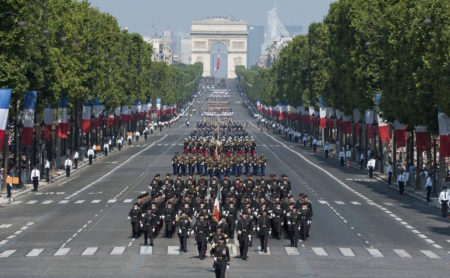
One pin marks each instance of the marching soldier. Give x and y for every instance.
(264, 230)
(201, 233)
(277, 220)
(184, 226)
(148, 225)
(293, 219)
(244, 228)
(175, 164)
(169, 219)
(221, 256)
(304, 217)
(134, 216)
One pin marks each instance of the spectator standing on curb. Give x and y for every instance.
(129, 138)
(401, 179)
(119, 143)
(412, 176)
(106, 148)
(314, 144)
(429, 187)
(68, 165)
(326, 148)
(370, 166)
(35, 176)
(76, 156)
(47, 170)
(361, 159)
(444, 200)
(90, 154)
(389, 171)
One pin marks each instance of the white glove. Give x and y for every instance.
(153, 229)
(179, 231)
(239, 232)
(309, 222)
(270, 232)
(257, 229)
(128, 218)
(215, 259)
(163, 217)
(299, 228)
(228, 267)
(250, 237)
(142, 225)
(289, 222)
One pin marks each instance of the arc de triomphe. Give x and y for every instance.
(205, 33)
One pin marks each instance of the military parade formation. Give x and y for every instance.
(218, 191)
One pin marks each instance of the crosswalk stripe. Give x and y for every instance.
(375, 252)
(128, 200)
(62, 251)
(95, 201)
(31, 202)
(173, 250)
(118, 250)
(347, 252)
(79, 202)
(402, 253)
(112, 201)
(323, 202)
(16, 202)
(89, 251)
(7, 253)
(339, 203)
(60, 193)
(3, 242)
(35, 252)
(261, 252)
(4, 226)
(356, 203)
(430, 254)
(291, 251)
(319, 251)
(63, 202)
(46, 202)
(146, 250)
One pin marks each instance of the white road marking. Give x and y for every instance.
(46, 202)
(118, 250)
(112, 201)
(79, 202)
(430, 254)
(437, 246)
(128, 200)
(347, 252)
(173, 250)
(95, 201)
(11, 237)
(63, 202)
(60, 193)
(3, 242)
(323, 202)
(62, 252)
(35, 252)
(16, 202)
(31, 202)
(375, 252)
(427, 239)
(356, 203)
(319, 251)
(114, 169)
(339, 202)
(291, 251)
(89, 251)
(7, 253)
(4, 226)
(402, 253)
(18, 232)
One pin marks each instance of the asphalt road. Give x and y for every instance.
(361, 227)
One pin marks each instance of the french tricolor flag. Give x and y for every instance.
(383, 129)
(28, 117)
(97, 109)
(444, 134)
(400, 134)
(5, 97)
(158, 107)
(62, 118)
(117, 116)
(48, 122)
(86, 118)
(323, 117)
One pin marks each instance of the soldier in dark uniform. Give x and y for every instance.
(148, 224)
(175, 164)
(201, 232)
(135, 215)
(169, 219)
(221, 255)
(264, 230)
(244, 228)
(277, 222)
(304, 215)
(231, 215)
(184, 226)
(293, 219)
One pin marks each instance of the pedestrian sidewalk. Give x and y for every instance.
(382, 177)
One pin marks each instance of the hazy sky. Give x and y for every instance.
(145, 16)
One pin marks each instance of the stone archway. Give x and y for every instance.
(231, 33)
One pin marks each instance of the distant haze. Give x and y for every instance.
(148, 16)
